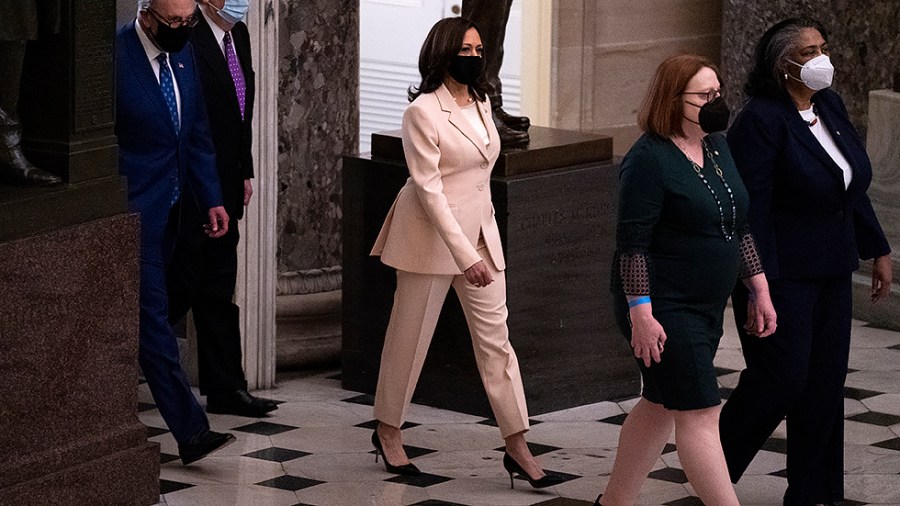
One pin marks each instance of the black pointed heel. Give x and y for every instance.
(597, 502)
(513, 467)
(407, 470)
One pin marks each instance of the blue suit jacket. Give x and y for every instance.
(805, 223)
(151, 155)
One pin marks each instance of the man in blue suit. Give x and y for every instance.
(165, 150)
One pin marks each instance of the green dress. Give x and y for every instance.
(685, 250)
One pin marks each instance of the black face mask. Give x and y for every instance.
(713, 116)
(171, 40)
(465, 69)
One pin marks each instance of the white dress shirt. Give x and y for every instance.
(219, 34)
(470, 111)
(824, 136)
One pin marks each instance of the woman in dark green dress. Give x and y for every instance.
(682, 241)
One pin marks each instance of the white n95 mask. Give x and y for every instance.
(816, 73)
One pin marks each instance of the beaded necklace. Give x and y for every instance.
(811, 123)
(728, 236)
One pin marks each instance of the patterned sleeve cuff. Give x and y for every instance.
(751, 264)
(634, 270)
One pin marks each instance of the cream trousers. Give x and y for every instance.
(417, 306)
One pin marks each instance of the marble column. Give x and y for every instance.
(257, 272)
(318, 120)
(318, 115)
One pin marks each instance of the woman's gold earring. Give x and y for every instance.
(785, 76)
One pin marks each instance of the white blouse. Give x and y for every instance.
(470, 111)
(824, 136)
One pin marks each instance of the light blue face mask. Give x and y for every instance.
(234, 10)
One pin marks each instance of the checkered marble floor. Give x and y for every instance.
(315, 449)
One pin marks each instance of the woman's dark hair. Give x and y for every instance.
(772, 50)
(443, 43)
(662, 108)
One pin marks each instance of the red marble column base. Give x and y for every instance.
(69, 430)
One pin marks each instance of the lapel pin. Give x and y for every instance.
(180, 65)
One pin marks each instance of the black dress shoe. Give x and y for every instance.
(240, 403)
(509, 138)
(203, 445)
(27, 176)
(406, 469)
(14, 167)
(512, 467)
(515, 122)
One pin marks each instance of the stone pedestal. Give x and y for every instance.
(884, 151)
(67, 105)
(68, 365)
(29, 211)
(309, 319)
(557, 226)
(69, 282)
(309, 330)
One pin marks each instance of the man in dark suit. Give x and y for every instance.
(204, 271)
(165, 151)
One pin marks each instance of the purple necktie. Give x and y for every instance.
(236, 75)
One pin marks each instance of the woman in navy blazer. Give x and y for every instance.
(807, 172)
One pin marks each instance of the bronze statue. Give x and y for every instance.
(491, 17)
(22, 21)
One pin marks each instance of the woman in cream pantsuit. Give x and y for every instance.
(441, 232)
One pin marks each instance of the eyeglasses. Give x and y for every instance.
(710, 95)
(174, 23)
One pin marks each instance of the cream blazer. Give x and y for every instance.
(434, 223)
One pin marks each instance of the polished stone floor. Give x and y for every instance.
(315, 449)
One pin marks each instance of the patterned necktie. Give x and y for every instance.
(168, 91)
(168, 88)
(236, 75)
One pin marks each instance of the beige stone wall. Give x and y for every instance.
(884, 151)
(604, 53)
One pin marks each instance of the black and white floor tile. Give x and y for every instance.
(315, 449)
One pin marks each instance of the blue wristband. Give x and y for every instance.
(638, 301)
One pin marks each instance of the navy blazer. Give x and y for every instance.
(805, 223)
(152, 156)
(232, 135)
